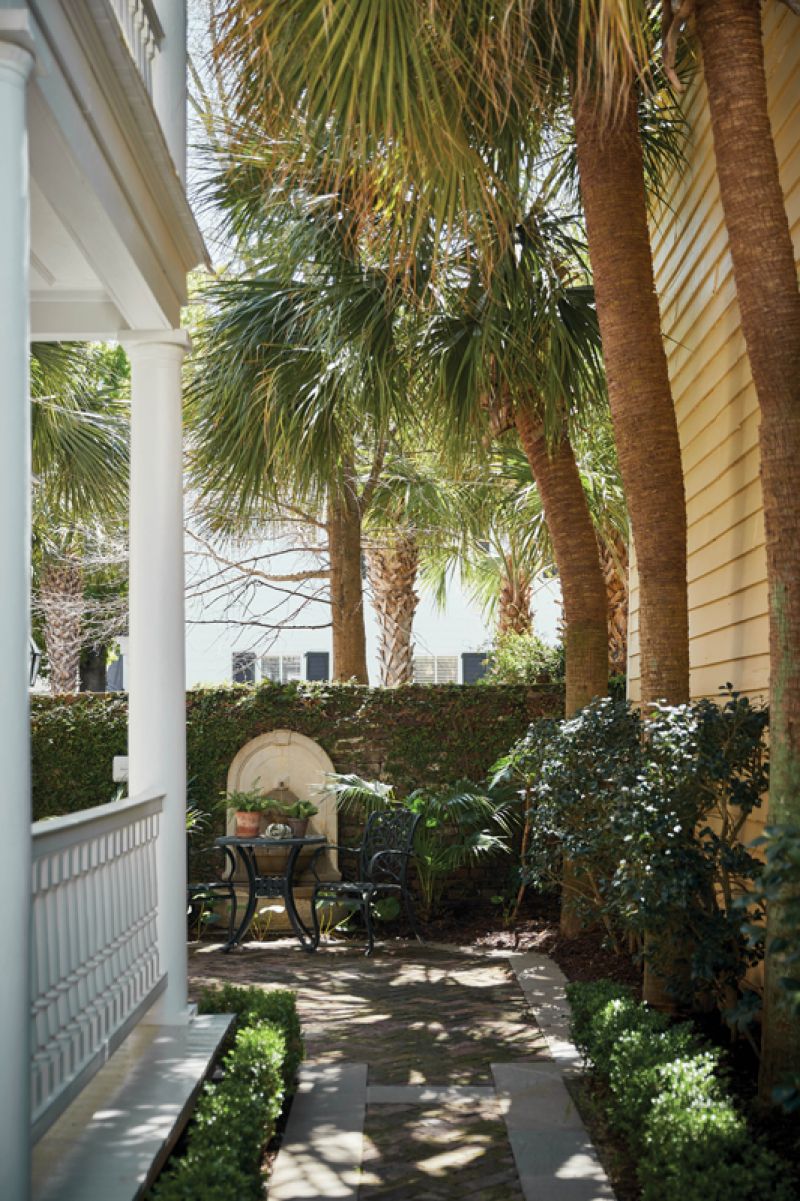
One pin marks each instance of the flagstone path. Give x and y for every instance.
(429, 1075)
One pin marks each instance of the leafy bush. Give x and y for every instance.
(649, 815)
(524, 659)
(668, 1100)
(256, 1005)
(456, 828)
(235, 1118)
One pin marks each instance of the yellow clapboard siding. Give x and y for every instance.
(737, 474)
(731, 577)
(749, 674)
(726, 611)
(730, 645)
(701, 472)
(735, 508)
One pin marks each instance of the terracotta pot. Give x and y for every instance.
(247, 824)
(299, 825)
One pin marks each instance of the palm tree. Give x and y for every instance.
(765, 273)
(79, 445)
(277, 427)
(519, 342)
(441, 119)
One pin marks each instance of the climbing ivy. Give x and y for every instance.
(412, 736)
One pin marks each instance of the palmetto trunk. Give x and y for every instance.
(61, 602)
(645, 428)
(392, 571)
(347, 595)
(583, 587)
(577, 559)
(514, 602)
(769, 301)
(614, 562)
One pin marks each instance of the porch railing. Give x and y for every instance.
(142, 31)
(95, 963)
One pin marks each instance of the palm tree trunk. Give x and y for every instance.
(583, 587)
(645, 428)
(577, 559)
(61, 603)
(347, 594)
(514, 603)
(769, 301)
(614, 562)
(392, 573)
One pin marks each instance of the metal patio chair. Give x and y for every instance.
(383, 861)
(218, 884)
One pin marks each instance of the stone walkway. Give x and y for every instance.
(427, 1075)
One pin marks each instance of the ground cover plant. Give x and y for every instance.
(668, 1099)
(236, 1118)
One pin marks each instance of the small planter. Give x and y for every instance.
(298, 825)
(247, 824)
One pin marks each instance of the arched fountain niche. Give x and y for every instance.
(289, 765)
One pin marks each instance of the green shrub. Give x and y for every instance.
(668, 1100)
(524, 659)
(253, 1005)
(649, 814)
(235, 1119)
(697, 1147)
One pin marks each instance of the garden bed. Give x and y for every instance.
(230, 1141)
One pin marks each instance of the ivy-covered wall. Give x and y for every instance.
(410, 736)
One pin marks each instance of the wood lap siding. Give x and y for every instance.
(714, 395)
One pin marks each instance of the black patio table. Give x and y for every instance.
(278, 885)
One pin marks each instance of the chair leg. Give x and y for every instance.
(315, 920)
(365, 905)
(411, 915)
(232, 908)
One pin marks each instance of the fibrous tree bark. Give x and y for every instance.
(343, 527)
(583, 587)
(765, 272)
(645, 427)
(614, 563)
(61, 604)
(577, 559)
(392, 573)
(514, 602)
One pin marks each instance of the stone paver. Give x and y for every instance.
(437, 1153)
(428, 1064)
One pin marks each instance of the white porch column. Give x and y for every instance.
(157, 669)
(15, 485)
(169, 79)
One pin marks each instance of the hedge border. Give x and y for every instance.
(668, 1100)
(235, 1119)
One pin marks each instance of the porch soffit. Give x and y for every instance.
(113, 235)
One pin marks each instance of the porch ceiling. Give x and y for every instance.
(112, 233)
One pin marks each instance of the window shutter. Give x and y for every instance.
(424, 669)
(271, 668)
(473, 666)
(317, 665)
(447, 669)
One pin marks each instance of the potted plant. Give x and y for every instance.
(296, 816)
(248, 805)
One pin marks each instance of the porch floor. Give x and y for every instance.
(430, 1072)
(110, 1143)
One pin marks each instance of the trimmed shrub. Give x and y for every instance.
(236, 1118)
(668, 1100)
(254, 1005)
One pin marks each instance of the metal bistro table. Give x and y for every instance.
(274, 886)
